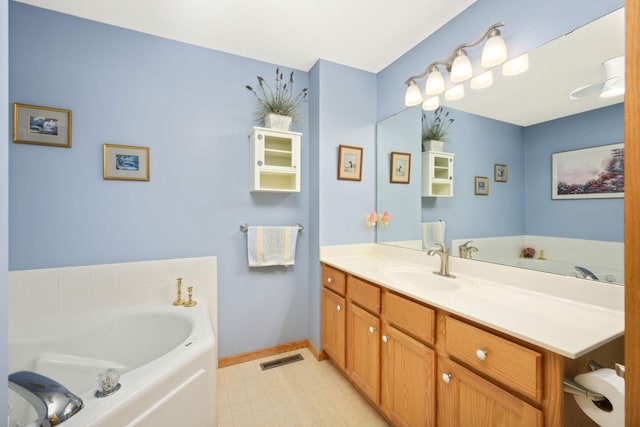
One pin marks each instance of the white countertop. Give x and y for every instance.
(566, 315)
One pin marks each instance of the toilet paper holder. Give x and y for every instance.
(572, 387)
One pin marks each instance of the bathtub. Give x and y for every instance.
(167, 358)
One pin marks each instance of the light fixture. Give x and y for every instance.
(412, 96)
(460, 69)
(615, 83)
(435, 81)
(495, 50)
(482, 81)
(517, 65)
(454, 93)
(431, 103)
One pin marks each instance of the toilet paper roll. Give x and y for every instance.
(606, 382)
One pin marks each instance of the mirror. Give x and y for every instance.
(519, 122)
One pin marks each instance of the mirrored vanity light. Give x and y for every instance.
(517, 65)
(431, 103)
(454, 93)
(482, 81)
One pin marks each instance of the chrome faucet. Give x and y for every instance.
(444, 260)
(586, 273)
(465, 251)
(52, 401)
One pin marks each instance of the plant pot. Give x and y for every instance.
(433, 145)
(278, 122)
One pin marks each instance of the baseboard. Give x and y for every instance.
(271, 351)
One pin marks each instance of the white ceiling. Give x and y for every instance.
(369, 35)
(364, 34)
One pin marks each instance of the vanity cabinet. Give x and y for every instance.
(437, 174)
(466, 399)
(274, 160)
(334, 315)
(363, 336)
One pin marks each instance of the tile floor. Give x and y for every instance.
(304, 393)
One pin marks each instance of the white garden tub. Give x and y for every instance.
(167, 358)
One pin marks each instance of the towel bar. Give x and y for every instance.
(245, 227)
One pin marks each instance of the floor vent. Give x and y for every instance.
(281, 362)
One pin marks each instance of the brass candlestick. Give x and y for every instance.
(190, 302)
(179, 300)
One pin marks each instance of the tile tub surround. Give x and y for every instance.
(51, 293)
(566, 315)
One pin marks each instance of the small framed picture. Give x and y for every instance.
(481, 185)
(349, 163)
(400, 167)
(126, 162)
(500, 173)
(41, 125)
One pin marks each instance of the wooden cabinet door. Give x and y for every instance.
(407, 380)
(334, 326)
(363, 351)
(467, 400)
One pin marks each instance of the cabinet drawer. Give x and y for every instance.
(509, 363)
(334, 279)
(364, 294)
(412, 317)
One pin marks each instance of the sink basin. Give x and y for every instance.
(424, 279)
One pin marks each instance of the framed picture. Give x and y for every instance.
(481, 186)
(400, 167)
(588, 173)
(349, 163)
(500, 173)
(41, 125)
(126, 162)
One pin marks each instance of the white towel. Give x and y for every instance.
(432, 233)
(271, 245)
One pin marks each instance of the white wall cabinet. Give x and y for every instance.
(437, 174)
(275, 160)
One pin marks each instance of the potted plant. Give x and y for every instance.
(277, 107)
(435, 130)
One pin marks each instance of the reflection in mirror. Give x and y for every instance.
(520, 122)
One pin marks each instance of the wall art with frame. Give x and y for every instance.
(400, 168)
(481, 186)
(126, 162)
(37, 125)
(349, 163)
(588, 173)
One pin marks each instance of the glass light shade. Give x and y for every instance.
(412, 96)
(494, 51)
(517, 65)
(435, 82)
(431, 103)
(482, 81)
(461, 68)
(454, 93)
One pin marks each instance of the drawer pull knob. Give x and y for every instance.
(481, 354)
(329, 279)
(339, 307)
(446, 378)
(385, 338)
(372, 329)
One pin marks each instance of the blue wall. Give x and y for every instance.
(478, 143)
(190, 106)
(4, 200)
(595, 219)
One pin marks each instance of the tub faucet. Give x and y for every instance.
(444, 260)
(52, 401)
(586, 273)
(465, 251)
